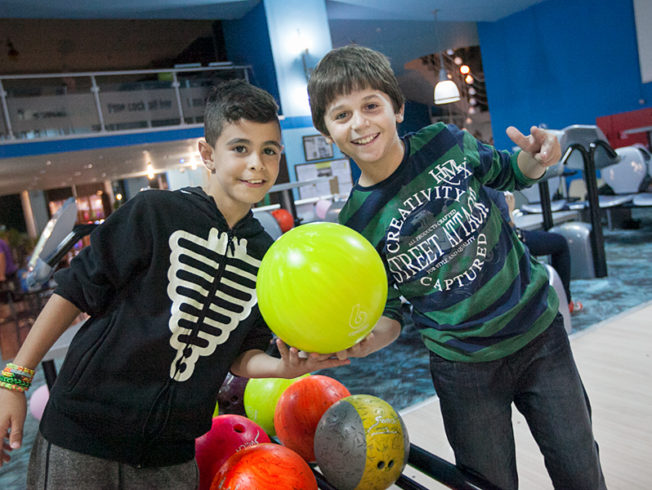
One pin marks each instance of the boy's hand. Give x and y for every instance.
(510, 200)
(362, 349)
(295, 363)
(13, 408)
(542, 145)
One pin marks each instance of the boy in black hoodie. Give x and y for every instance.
(169, 283)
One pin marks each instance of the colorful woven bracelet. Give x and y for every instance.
(15, 381)
(12, 387)
(16, 377)
(16, 367)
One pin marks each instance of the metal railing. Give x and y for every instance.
(60, 105)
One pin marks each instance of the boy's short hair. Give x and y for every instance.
(346, 69)
(228, 102)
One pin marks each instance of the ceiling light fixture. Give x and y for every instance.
(446, 91)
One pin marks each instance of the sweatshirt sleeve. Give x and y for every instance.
(119, 248)
(495, 168)
(259, 337)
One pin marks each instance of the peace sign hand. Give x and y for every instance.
(540, 144)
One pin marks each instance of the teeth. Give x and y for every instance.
(364, 141)
(255, 181)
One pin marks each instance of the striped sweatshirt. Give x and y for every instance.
(476, 292)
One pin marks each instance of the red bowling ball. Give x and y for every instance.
(228, 435)
(265, 467)
(284, 219)
(300, 408)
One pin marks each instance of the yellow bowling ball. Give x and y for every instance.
(321, 287)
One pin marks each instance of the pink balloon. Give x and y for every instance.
(321, 208)
(38, 400)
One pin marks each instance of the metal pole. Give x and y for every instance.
(600, 260)
(597, 240)
(5, 111)
(98, 105)
(546, 206)
(177, 93)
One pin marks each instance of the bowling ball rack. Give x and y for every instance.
(432, 466)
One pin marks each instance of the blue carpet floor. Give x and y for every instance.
(400, 375)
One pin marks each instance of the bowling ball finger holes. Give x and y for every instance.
(239, 428)
(381, 464)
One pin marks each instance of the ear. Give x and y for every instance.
(400, 114)
(327, 137)
(206, 152)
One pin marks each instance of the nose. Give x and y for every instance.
(358, 120)
(255, 162)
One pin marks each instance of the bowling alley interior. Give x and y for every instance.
(102, 102)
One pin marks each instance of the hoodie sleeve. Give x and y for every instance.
(119, 248)
(259, 337)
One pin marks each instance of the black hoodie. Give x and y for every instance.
(170, 291)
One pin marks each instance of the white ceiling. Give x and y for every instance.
(367, 18)
(55, 170)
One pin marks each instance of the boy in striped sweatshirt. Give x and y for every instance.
(482, 304)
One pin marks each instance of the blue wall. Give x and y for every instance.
(247, 42)
(561, 62)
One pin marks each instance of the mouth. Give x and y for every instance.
(365, 140)
(253, 182)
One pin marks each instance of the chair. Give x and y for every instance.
(604, 157)
(630, 174)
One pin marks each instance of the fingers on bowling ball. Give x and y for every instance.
(351, 281)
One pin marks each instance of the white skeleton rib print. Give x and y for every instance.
(200, 323)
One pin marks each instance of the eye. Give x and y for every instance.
(371, 106)
(270, 151)
(340, 115)
(240, 149)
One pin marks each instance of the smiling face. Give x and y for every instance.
(244, 164)
(363, 126)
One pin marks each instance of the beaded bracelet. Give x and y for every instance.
(16, 378)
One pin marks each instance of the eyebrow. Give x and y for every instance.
(245, 141)
(341, 106)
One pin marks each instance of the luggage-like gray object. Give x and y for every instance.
(578, 236)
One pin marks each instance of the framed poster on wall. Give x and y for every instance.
(339, 168)
(316, 147)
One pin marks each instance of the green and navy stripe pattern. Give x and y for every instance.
(476, 292)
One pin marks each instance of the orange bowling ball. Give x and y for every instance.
(300, 408)
(266, 466)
